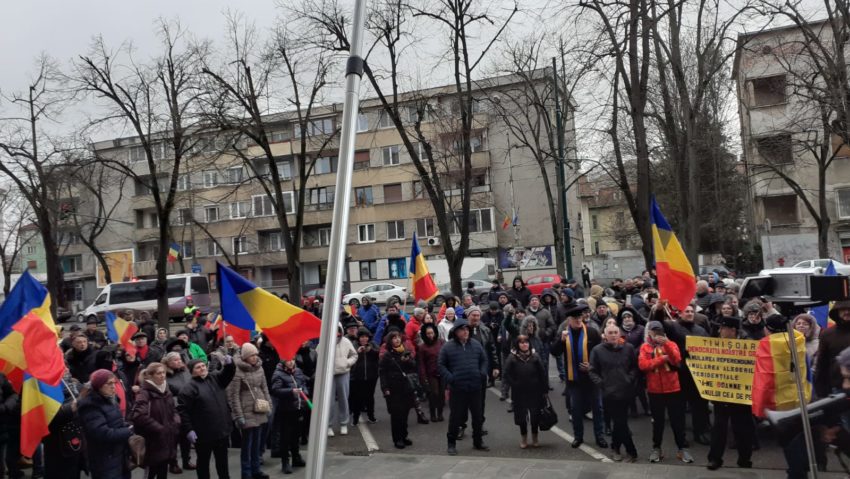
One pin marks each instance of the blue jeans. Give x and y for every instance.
(251, 439)
(581, 396)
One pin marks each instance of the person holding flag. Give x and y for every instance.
(422, 283)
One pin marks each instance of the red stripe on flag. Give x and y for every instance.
(33, 430)
(45, 361)
(424, 288)
(675, 286)
(126, 339)
(291, 334)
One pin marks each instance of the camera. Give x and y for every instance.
(798, 288)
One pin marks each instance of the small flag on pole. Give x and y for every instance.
(173, 252)
(506, 222)
(121, 331)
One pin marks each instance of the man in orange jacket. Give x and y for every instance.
(659, 359)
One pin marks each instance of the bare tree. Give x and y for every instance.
(15, 211)
(158, 103)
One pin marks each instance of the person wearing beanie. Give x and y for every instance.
(369, 313)
(394, 368)
(104, 428)
(381, 329)
(96, 338)
(364, 377)
(447, 323)
(245, 394)
(345, 356)
(832, 341)
(205, 417)
(753, 324)
(808, 325)
(739, 415)
(289, 386)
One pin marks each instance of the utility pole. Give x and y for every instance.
(559, 124)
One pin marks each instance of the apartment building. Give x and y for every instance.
(223, 213)
(781, 133)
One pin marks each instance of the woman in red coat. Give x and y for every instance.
(429, 375)
(155, 418)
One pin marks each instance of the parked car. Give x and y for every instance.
(536, 284)
(706, 270)
(312, 294)
(63, 314)
(809, 266)
(380, 293)
(480, 286)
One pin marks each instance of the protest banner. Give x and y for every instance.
(722, 368)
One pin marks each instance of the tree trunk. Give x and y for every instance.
(52, 266)
(162, 313)
(7, 281)
(692, 219)
(825, 222)
(455, 267)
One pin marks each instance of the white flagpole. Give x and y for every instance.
(336, 261)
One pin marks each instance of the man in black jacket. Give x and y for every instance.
(80, 359)
(832, 341)
(96, 338)
(463, 366)
(487, 338)
(205, 415)
(613, 368)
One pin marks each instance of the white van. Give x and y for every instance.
(140, 296)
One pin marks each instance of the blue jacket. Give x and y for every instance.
(106, 436)
(370, 316)
(283, 382)
(382, 325)
(463, 366)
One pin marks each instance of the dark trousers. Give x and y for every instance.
(582, 397)
(742, 426)
(461, 404)
(436, 395)
(398, 424)
(217, 448)
(672, 404)
(361, 397)
(157, 471)
(695, 402)
(290, 433)
(618, 411)
(9, 456)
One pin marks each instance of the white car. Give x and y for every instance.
(810, 266)
(380, 293)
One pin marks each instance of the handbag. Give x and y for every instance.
(548, 416)
(261, 406)
(137, 451)
(72, 438)
(413, 383)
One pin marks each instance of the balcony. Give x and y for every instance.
(478, 241)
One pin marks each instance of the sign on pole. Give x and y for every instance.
(722, 368)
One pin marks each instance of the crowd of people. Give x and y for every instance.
(618, 351)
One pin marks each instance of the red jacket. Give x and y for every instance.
(661, 375)
(412, 328)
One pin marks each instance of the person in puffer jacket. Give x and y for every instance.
(289, 386)
(364, 377)
(247, 387)
(659, 359)
(345, 357)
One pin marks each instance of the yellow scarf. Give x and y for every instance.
(572, 369)
(399, 349)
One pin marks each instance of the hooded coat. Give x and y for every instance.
(521, 295)
(662, 376)
(429, 354)
(463, 366)
(366, 367)
(544, 319)
(248, 385)
(106, 436)
(636, 336)
(832, 342)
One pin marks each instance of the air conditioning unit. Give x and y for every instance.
(433, 241)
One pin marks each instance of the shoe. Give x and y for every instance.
(616, 457)
(503, 398)
(713, 465)
(631, 459)
(407, 442)
(260, 475)
(297, 461)
(702, 439)
(399, 445)
(576, 443)
(523, 443)
(371, 419)
(481, 447)
(685, 456)
(601, 442)
(189, 466)
(331, 432)
(510, 408)
(175, 469)
(745, 464)
(534, 442)
(656, 455)
(355, 420)
(433, 417)
(343, 430)
(451, 450)
(461, 433)
(286, 468)
(440, 416)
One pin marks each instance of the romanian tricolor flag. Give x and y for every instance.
(222, 329)
(441, 313)
(248, 307)
(774, 386)
(423, 283)
(121, 331)
(506, 222)
(352, 311)
(675, 275)
(821, 313)
(28, 341)
(173, 252)
(39, 404)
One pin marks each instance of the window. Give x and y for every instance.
(596, 247)
(769, 90)
(137, 154)
(395, 230)
(392, 193)
(72, 264)
(425, 228)
(30, 249)
(368, 270)
(288, 202)
(212, 248)
(141, 186)
(775, 150)
(363, 196)
(240, 209)
(477, 106)
(183, 182)
(140, 219)
(361, 160)
(184, 216)
(280, 135)
(187, 249)
(324, 236)
(240, 245)
(594, 221)
(284, 169)
(621, 218)
(479, 221)
(390, 155)
(398, 268)
(324, 126)
(843, 197)
(210, 178)
(418, 190)
(362, 122)
(234, 175)
(316, 237)
(385, 121)
(476, 144)
(366, 233)
(262, 205)
(211, 214)
(153, 220)
(271, 241)
(322, 197)
(781, 209)
(325, 164)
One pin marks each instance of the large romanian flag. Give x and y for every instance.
(248, 307)
(39, 404)
(774, 386)
(676, 281)
(121, 331)
(28, 340)
(423, 283)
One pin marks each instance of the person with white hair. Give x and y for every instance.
(447, 324)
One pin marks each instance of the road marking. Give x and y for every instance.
(368, 438)
(590, 451)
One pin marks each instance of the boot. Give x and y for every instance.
(421, 419)
(440, 415)
(534, 442)
(523, 443)
(433, 415)
(285, 466)
(297, 461)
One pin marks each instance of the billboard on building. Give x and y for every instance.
(523, 258)
(120, 266)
